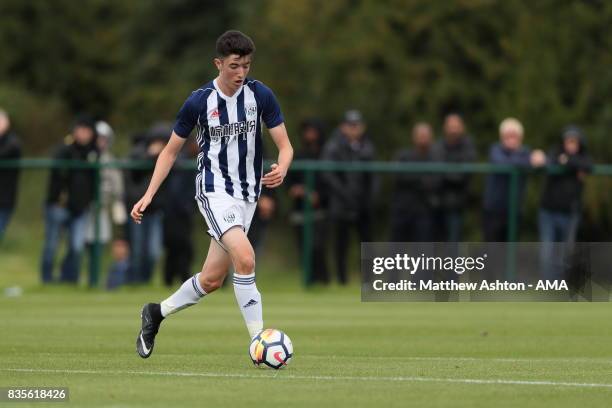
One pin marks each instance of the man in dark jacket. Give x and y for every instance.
(179, 210)
(10, 149)
(350, 193)
(312, 138)
(146, 239)
(416, 195)
(561, 203)
(70, 194)
(510, 151)
(455, 147)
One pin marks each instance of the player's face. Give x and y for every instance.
(233, 69)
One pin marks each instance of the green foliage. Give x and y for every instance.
(546, 62)
(170, 46)
(41, 122)
(401, 61)
(66, 49)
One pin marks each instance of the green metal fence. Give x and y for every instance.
(310, 168)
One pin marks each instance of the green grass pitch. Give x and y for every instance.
(347, 353)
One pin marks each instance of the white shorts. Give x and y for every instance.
(222, 212)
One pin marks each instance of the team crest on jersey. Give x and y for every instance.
(215, 114)
(251, 109)
(229, 217)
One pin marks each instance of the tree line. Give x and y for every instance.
(399, 61)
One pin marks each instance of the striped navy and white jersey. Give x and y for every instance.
(229, 134)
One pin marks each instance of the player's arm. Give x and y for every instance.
(285, 155)
(164, 163)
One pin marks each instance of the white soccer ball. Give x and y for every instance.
(271, 348)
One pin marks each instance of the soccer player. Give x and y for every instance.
(227, 114)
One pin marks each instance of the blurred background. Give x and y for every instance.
(410, 81)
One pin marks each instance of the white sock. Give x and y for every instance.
(249, 302)
(187, 295)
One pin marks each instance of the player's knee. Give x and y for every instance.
(245, 263)
(210, 285)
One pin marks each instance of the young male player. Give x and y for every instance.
(227, 114)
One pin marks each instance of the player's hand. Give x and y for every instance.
(275, 177)
(139, 209)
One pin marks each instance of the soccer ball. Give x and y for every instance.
(271, 348)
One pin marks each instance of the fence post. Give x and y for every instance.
(308, 228)
(96, 255)
(513, 207)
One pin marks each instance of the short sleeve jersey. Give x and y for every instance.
(229, 135)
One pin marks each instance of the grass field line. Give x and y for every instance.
(313, 377)
(491, 359)
(568, 360)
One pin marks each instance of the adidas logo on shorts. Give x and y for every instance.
(229, 217)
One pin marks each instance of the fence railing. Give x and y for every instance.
(310, 168)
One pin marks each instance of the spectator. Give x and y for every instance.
(112, 209)
(146, 238)
(311, 133)
(10, 148)
(69, 197)
(179, 210)
(266, 208)
(350, 193)
(511, 151)
(416, 195)
(118, 272)
(561, 203)
(455, 147)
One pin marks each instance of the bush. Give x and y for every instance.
(40, 122)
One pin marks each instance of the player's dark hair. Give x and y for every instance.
(234, 42)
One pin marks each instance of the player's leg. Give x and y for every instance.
(191, 291)
(205, 282)
(245, 289)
